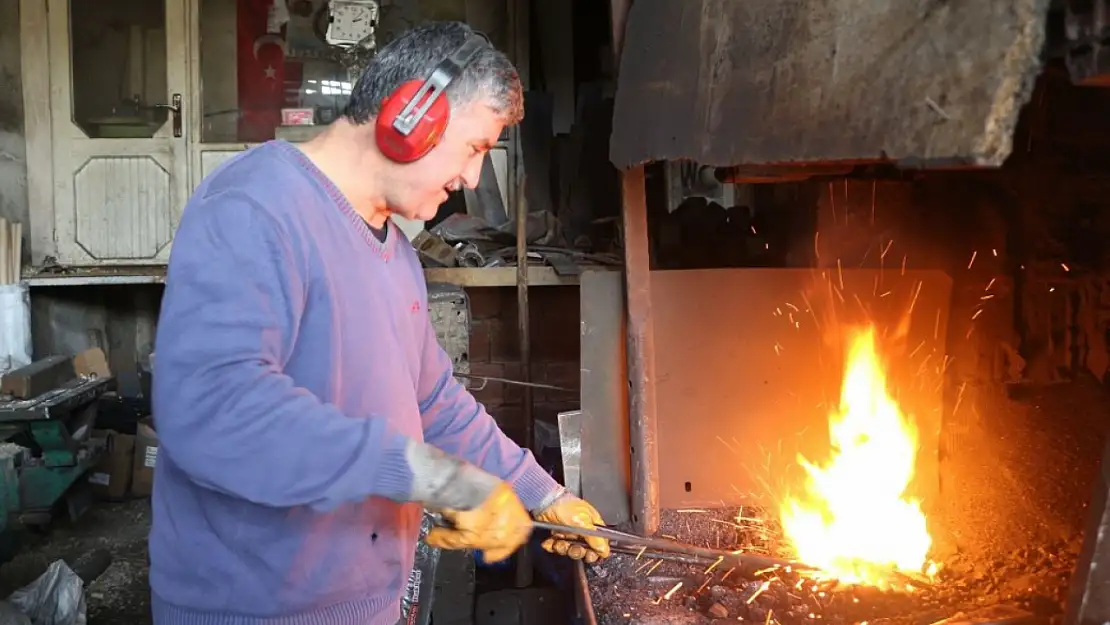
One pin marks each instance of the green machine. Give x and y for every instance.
(46, 446)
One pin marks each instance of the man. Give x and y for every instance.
(305, 410)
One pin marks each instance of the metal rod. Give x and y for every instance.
(524, 562)
(487, 378)
(585, 603)
(746, 562)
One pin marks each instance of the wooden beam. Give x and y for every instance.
(642, 423)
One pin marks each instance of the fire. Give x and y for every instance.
(854, 519)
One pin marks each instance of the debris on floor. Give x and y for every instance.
(118, 596)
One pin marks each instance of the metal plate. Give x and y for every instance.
(604, 454)
(744, 381)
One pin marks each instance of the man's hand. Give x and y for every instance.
(570, 510)
(499, 526)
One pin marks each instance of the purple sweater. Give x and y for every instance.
(295, 359)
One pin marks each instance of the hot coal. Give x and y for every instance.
(627, 589)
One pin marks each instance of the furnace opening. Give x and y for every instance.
(895, 375)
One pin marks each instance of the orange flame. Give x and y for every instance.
(853, 519)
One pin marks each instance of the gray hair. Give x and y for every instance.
(490, 77)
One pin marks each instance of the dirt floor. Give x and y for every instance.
(121, 595)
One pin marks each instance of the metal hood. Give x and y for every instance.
(734, 82)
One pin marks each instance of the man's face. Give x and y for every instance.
(417, 189)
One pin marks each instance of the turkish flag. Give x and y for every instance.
(261, 70)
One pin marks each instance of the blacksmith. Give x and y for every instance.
(306, 413)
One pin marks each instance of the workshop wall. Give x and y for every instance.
(495, 351)
(13, 164)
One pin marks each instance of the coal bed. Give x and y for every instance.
(1029, 584)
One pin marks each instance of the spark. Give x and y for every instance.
(672, 591)
(816, 250)
(839, 274)
(959, 398)
(1051, 289)
(972, 261)
(720, 559)
(642, 550)
(976, 315)
(792, 306)
(904, 264)
(768, 620)
(1065, 267)
(759, 591)
(990, 284)
(832, 203)
(753, 229)
(994, 251)
(936, 325)
(988, 296)
(886, 249)
(703, 585)
(693, 510)
(653, 567)
(884, 294)
(727, 573)
(919, 346)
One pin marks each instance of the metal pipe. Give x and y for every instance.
(583, 601)
(524, 562)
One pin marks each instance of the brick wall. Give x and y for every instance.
(495, 351)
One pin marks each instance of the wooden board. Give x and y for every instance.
(776, 81)
(741, 389)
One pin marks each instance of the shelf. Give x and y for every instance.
(462, 276)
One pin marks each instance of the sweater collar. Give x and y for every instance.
(384, 249)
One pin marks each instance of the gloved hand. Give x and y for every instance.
(498, 526)
(480, 510)
(570, 510)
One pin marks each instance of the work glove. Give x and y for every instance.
(478, 510)
(570, 510)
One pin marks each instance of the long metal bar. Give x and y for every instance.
(745, 562)
(524, 572)
(640, 331)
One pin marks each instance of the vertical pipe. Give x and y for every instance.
(524, 562)
(642, 425)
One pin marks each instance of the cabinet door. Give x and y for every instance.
(118, 79)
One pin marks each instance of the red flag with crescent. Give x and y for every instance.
(261, 72)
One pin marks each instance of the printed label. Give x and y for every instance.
(151, 457)
(100, 479)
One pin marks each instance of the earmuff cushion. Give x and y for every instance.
(424, 136)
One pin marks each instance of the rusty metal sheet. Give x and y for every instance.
(745, 382)
(777, 81)
(604, 452)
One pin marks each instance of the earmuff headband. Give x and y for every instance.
(448, 70)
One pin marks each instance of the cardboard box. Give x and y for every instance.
(111, 477)
(146, 457)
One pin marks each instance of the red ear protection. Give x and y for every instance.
(426, 132)
(412, 119)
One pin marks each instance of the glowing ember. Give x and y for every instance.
(854, 519)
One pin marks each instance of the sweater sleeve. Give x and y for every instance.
(458, 424)
(227, 415)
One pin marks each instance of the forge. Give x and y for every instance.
(868, 325)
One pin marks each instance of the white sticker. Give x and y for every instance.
(151, 457)
(100, 479)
